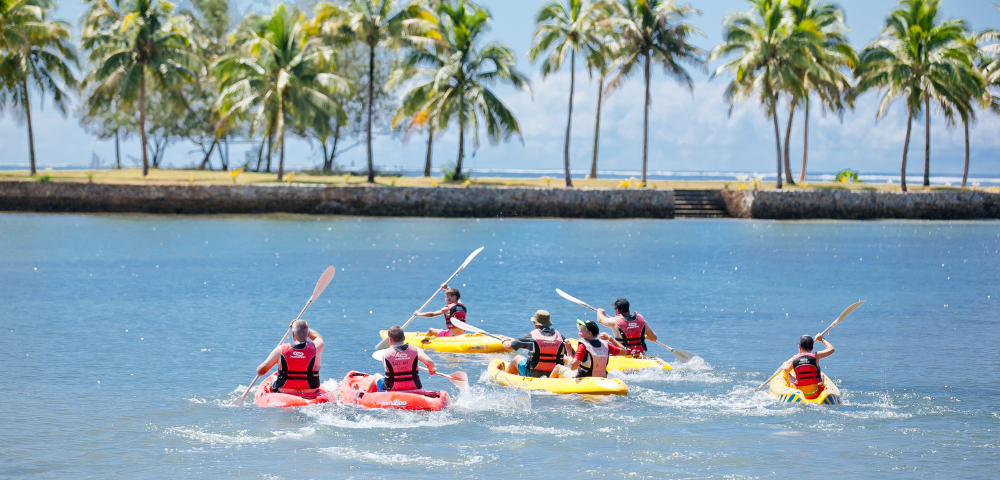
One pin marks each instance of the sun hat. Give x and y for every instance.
(541, 318)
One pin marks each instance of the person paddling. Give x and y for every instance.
(545, 344)
(630, 328)
(805, 366)
(400, 362)
(453, 309)
(298, 373)
(592, 353)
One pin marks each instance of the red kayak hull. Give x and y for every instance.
(359, 389)
(266, 398)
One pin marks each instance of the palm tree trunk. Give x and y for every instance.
(788, 137)
(965, 174)
(927, 142)
(328, 158)
(461, 150)
(371, 98)
(805, 145)
(118, 155)
(569, 116)
(260, 154)
(597, 127)
(281, 157)
(208, 156)
(777, 136)
(430, 147)
(142, 119)
(270, 148)
(906, 147)
(31, 134)
(645, 123)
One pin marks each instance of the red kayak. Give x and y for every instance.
(266, 398)
(359, 389)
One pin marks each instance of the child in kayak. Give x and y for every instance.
(592, 353)
(805, 366)
(545, 344)
(454, 308)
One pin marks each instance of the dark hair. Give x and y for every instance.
(806, 342)
(396, 334)
(622, 305)
(453, 291)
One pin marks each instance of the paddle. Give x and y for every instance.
(681, 355)
(385, 341)
(460, 379)
(847, 311)
(470, 328)
(324, 280)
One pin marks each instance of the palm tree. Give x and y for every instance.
(971, 86)
(282, 76)
(768, 57)
(654, 31)
(563, 29)
(916, 58)
(414, 105)
(131, 44)
(465, 69)
(825, 58)
(385, 23)
(601, 62)
(35, 52)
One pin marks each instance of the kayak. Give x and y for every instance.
(266, 398)
(465, 343)
(629, 364)
(587, 386)
(782, 388)
(359, 389)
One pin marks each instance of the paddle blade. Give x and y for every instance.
(471, 256)
(573, 299)
(847, 311)
(239, 401)
(384, 344)
(682, 355)
(377, 355)
(324, 280)
(470, 328)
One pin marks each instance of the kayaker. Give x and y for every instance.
(805, 366)
(298, 373)
(592, 353)
(400, 362)
(545, 344)
(630, 328)
(454, 308)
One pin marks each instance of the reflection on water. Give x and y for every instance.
(128, 338)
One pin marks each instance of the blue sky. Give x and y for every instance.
(688, 131)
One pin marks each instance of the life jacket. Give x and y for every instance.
(401, 368)
(545, 355)
(296, 371)
(807, 370)
(631, 332)
(456, 310)
(599, 357)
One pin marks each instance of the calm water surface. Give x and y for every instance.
(126, 338)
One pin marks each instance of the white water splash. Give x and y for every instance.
(241, 437)
(381, 457)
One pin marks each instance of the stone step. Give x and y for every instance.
(699, 204)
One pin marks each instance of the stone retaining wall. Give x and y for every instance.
(321, 199)
(860, 205)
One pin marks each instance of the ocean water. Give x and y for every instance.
(126, 338)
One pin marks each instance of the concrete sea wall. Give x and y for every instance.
(861, 205)
(341, 200)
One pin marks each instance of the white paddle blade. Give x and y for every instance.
(682, 355)
(384, 344)
(324, 280)
(847, 311)
(378, 355)
(471, 256)
(470, 328)
(574, 299)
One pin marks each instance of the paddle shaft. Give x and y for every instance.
(466, 326)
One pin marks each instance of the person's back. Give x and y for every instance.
(299, 361)
(592, 355)
(400, 363)
(545, 344)
(631, 332)
(805, 366)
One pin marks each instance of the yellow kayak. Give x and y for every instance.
(630, 364)
(466, 343)
(586, 386)
(782, 388)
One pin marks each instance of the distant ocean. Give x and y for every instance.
(955, 179)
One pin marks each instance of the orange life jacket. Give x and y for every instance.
(807, 370)
(296, 370)
(631, 332)
(401, 372)
(545, 355)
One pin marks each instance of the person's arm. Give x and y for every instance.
(574, 362)
(418, 313)
(317, 340)
(829, 348)
(611, 340)
(426, 361)
(523, 342)
(650, 335)
(271, 360)
(787, 366)
(604, 319)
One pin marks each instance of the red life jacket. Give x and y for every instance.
(545, 355)
(401, 372)
(296, 371)
(806, 369)
(599, 357)
(631, 332)
(456, 310)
